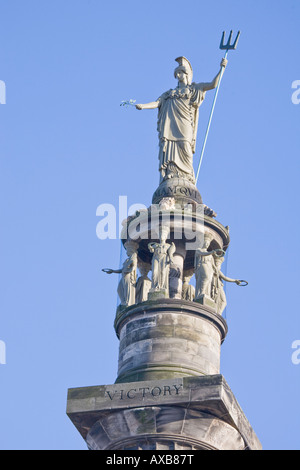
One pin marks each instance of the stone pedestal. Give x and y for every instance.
(196, 413)
(155, 294)
(206, 301)
(169, 393)
(180, 189)
(168, 338)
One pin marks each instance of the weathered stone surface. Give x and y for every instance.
(197, 411)
(168, 391)
(175, 336)
(182, 425)
(205, 300)
(155, 294)
(183, 191)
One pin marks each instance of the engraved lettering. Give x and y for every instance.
(177, 389)
(131, 390)
(172, 190)
(154, 394)
(108, 393)
(142, 392)
(144, 389)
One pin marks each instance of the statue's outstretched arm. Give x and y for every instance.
(152, 105)
(110, 271)
(228, 279)
(204, 253)
(214, 83)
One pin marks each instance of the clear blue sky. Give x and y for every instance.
(66, 146)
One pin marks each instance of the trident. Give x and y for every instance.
(226, 47)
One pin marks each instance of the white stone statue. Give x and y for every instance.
(204, 267)
(188, 290)
(178, 121)
(161, 260)
(167, 204)
(175, 281)
(218, 293)
(127, 284)
(143, 284)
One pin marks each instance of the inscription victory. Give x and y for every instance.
(142, 392)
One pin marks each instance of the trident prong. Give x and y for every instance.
(229, 46)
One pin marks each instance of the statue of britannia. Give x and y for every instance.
(178, 121)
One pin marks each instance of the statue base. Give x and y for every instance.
(206, 301)
(181, 189)
(156, 294)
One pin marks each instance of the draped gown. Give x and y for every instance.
(177, 129)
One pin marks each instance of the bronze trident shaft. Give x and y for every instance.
(226, 47)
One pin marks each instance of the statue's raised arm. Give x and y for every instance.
(214, 83)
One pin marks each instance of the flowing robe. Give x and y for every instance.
(218, 292)
(161, 260)
(127, 284)
(204, 271)
(177, 127)
(143, 286)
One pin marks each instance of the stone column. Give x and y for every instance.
(169, 393)
(168, 338)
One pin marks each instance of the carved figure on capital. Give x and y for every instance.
(188, 290)
(204, 267)
(127, 283)
(217, 290)
(161, 261)
(167, 203)
(143, 284)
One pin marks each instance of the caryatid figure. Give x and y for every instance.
(161, 260)
(188, 290)
(204, 267)
(218, 293)
(143, 284)
(127, 284)
(178, 121)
